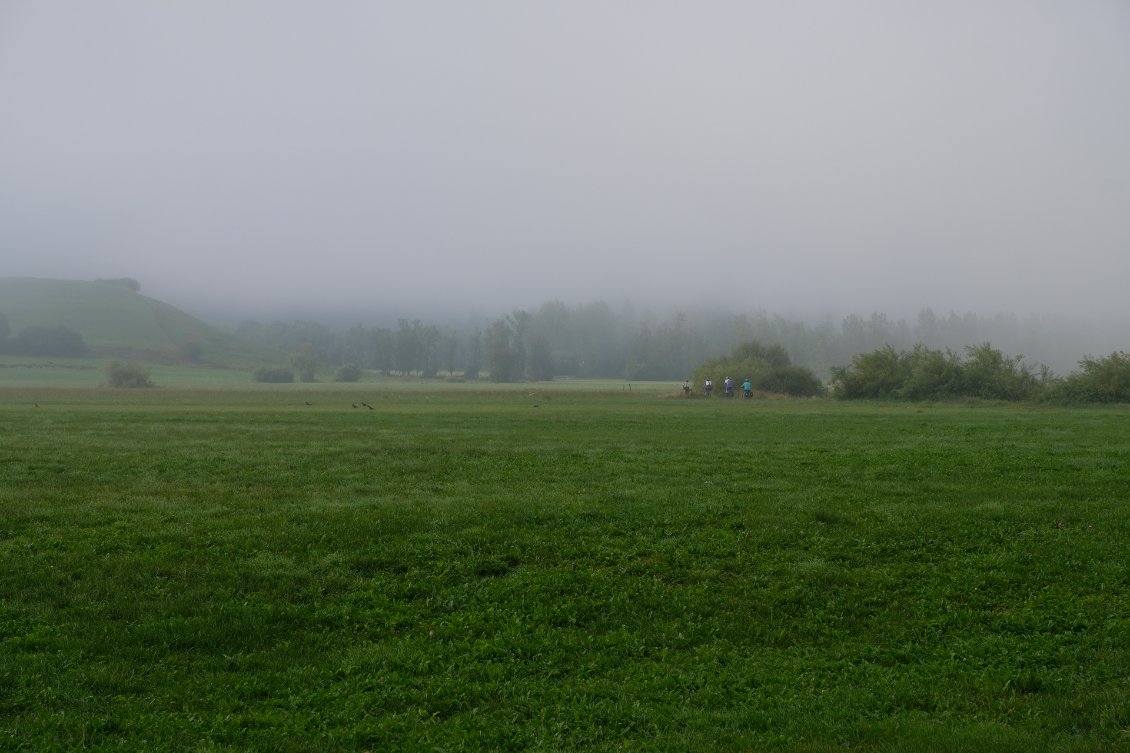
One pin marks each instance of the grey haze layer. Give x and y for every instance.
(803, 157)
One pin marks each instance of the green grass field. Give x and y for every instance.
(90, 373)
(558, 568)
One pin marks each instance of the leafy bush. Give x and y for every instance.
(767, 367)
(790, 380)
(753, 352)
(932, 375)
(1102, 380)
(127, 374)
(347, 373)
(923, 374)
(989, 374)
(878, 374)
(273, 374)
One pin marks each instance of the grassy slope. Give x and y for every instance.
(105, 314)
(112, 318)
(559, 571)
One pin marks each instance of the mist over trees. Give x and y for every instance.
(593, 340)
(58, 341)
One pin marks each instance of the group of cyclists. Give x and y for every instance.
(727, 387)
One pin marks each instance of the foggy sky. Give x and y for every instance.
(801, 157)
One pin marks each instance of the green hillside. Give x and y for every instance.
(114, 319)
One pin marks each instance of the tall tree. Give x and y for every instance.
(539, 361)
(408, 346)
(474, 363)
(499, 347)
(429, 340)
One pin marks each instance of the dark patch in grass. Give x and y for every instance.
(832, 517)
(1028, 683)
(367, 567)
(495, 567)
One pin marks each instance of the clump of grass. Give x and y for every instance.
(832, 517)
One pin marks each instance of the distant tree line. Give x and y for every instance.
(59, 341)
(593, 340)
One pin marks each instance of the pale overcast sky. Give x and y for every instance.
(801, 157)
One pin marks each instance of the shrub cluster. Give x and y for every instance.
(273, 374)
(1101, 380)
(127, 374)
(61, 342)
(924, 374)
(767, 367)
(347, 373)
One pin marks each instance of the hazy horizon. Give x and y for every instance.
(808, 159)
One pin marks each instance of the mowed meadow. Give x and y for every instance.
(558, 569)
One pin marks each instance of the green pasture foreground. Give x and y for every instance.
(558, 570)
